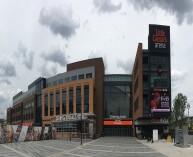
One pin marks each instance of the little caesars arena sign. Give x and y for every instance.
(71, 117)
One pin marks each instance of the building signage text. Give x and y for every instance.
(117, 117)
(159, 37)
(76, 116)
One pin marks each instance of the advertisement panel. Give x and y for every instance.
(160, 101)
(159, 38)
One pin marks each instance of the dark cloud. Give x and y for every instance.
(47, 69)
(127, 65)
(59, 22)
(7, 68)
(106, 6)
(26, 57)
(55, 56)
(181, 9)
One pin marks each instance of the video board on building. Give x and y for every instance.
(160, 101)
(159, 38)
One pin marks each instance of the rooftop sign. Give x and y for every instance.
(159, 38)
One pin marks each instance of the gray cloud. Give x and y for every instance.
(127, 65)
(181, 9)
(5, 81)
(106, 6)
(47, 69)
(55, 56)
(7, 68)
(26, 57)
(59, 22)
(4, 104)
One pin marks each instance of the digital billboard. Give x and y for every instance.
(159, 38)
(160, 101)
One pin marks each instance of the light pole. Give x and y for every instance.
(81, 129)
(188, 107)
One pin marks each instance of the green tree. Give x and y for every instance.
(178, 114)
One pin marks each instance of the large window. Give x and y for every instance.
(86, 98)
(78, 99)
(71, 100)
(46, 105)
(51, 104)
(117, 99)
(57, 102)
(63, 101)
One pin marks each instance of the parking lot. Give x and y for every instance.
(102, 147)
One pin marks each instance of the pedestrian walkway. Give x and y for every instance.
(168, 148)
(102, 147)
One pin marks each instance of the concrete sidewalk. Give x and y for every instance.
(168, 148)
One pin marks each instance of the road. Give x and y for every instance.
(103, 147)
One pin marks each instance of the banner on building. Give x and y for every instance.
(160, 101)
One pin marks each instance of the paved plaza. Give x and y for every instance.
(103, 147)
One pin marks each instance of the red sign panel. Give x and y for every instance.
(27, 124)
(117, 122)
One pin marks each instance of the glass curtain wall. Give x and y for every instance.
(117, 99)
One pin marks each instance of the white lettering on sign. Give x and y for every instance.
(118, 117)
(160, 45)
(76, 116)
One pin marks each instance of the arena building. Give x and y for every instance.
(85, 99)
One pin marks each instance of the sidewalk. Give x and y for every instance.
(168, 148)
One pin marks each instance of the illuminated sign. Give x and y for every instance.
(160, 100)
(117, 122)
(159, 37)
(71, 117)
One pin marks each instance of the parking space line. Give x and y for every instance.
(15, 151)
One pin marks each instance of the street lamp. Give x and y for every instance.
(188, 107)
(81, 129)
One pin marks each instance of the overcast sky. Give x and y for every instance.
(38, 38)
